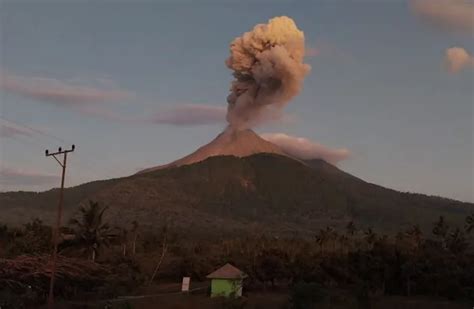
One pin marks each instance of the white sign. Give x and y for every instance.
(185, 285)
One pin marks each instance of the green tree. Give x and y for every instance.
(469, 223)
(370, 237)
(456, 241)
(440, 228)
(91, 232)
(135, 236)
(415, 235)
(306, 295)
(271, 266)
(123, 238)
(33, 238)
(322, 238)
(351, 228)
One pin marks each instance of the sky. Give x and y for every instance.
(143, 83)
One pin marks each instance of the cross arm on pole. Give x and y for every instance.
(57, 160)
(60, 151)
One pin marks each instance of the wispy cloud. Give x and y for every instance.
(21, 177)
(312, 51)
(305, 149)
(325, 48)
(57, 91)
(107, 113)
(451, 15)
(9, 130)
(457, 59)
(190, 115)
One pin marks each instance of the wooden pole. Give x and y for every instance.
(55, 235)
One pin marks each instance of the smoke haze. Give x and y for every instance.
(190, 115)
(305, 149)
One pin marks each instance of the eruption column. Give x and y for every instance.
(268, 68)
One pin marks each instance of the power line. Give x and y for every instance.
(90, 168)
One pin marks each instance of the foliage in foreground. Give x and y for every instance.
(356, 260)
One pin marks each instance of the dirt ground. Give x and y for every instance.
(168, 296)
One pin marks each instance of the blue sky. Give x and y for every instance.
(377, 87)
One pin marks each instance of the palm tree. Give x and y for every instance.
(334, 236)
(440, 230)
(415, 234)
(91, 232)
(123, 237)
(351, 228)
(469, 223)
(409, 271)
(135, 236)
(457, 242)
(344, 241)
(321, 239)
(370, 237)
(164, 250)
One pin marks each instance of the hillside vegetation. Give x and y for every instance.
(227, 194)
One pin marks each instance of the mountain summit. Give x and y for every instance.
(231, 142)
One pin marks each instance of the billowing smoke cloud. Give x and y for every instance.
(57, 91)
(457, 59)
(453, 15)
(190, 115)
(268, 67)
(305, 149)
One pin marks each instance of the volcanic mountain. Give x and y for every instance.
(238, 143)
(241, 183)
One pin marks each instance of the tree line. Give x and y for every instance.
(360, 260)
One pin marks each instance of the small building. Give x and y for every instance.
(227, 281)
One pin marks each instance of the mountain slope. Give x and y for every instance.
(226, 194)
(230, 142)
(22, 206)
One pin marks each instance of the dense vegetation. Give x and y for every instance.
(228, 194)
(314, 233)
(102, 261)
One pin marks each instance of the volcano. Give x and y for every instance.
(237, 183)
(231, 142)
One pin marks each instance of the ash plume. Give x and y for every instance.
(268, 68)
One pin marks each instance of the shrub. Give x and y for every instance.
(305, 295)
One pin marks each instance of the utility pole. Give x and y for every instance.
(58, 220)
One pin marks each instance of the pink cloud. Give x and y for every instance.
(305, 149)
(57, 91)
(457, 59)
(18, 177)
(312, 52)
(453, 15)
(325, 48)
(104, 113)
